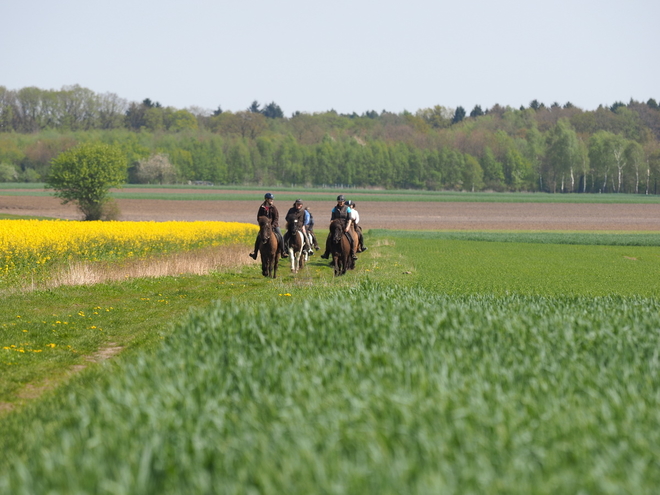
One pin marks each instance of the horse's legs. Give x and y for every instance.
(304, 254)
(292, 255)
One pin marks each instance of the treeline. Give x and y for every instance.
(555, 148)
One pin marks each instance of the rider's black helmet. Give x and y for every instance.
(340, 197)
(298, 202)
(349, 202)
(269, 196)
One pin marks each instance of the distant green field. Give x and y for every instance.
(533, 268)
(214, 193)
(512, 363)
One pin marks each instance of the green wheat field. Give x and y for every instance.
(446, 363)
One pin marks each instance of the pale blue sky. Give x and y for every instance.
(347, 55)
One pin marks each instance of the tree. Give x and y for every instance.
(246, 124)
(634, 156)
(180, 120)
(459, 115)
(8, 173)
(84, 175)
(156, 169)
(438, 117)
(272, 111)
(562, 155)
(473, 175)
(492, 170)
(476, 111)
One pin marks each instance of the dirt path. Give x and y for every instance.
(399, 215)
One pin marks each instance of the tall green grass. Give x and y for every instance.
(374, 390)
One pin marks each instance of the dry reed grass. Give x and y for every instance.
(198, 262)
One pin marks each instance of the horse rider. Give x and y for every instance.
(342, 212)
(355, 216)
(269, 210)
(296, 216)
(309, 225)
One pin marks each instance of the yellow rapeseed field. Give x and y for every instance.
(31, 246)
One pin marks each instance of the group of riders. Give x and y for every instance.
(300, 216)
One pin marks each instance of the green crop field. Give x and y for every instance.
(445, 363)
(245, 193)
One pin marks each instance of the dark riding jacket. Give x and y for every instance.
(269, 211)
(343, 212)
(295, 214)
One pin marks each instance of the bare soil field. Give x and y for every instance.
(381, 215)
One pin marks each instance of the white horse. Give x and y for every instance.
(297, 252)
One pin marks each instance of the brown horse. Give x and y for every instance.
(296, 246)
(269, 248)
(340, 247)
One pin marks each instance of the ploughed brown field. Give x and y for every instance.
(376, 214)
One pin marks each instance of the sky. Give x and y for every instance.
(344, 55)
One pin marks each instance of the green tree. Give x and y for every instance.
(634, 156)
(562, 156)
(600, 159)
(272, 111)
(438, 117)
(516, 169)
(8, 173)
(180, 120)
(493, 172)
(534, 150)
(476, 111)
(84, 175)
(473, 174)
(459, 115)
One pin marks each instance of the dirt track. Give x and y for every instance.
(415, 216)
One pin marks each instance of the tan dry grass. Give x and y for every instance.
(198, 262)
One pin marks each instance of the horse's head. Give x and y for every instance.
(336, 230)
(292, 226)
(265, 229)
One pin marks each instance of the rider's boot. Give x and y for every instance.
(253, 254)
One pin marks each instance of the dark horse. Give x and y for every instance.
(340, 247)
(296, 246)
(269, 249)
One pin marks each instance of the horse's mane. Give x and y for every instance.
(337, 229)
(263, 221)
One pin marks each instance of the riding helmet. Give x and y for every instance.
(269, 196)
(340, 197)
(349, 202)
(298, 202)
